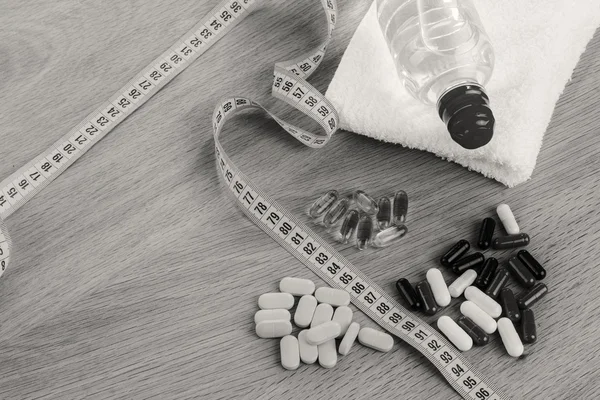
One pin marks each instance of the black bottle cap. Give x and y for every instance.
(467, 114)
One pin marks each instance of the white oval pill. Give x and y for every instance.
(455, 333)
(323, 313)
(327, 354)
(305, 310)
(343, 316)
(375, 339)
(508, 219)
(459, 285)
(270, 301)
(478, 316)
(483, 301)
(308, 352)
(271, 315)
(438, 287)
(323, 332)
(349, 338)
(335, 297)
(510, 337)
(296, 286)
(273, 329)
(290, 352)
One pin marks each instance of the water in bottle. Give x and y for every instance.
(444, 57)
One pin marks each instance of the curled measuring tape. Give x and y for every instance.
(289, 85)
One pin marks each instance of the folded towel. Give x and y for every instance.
(537, 44)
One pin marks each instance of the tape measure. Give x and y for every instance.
(289, 85)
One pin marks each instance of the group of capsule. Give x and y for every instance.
(482, 283)
(359, 213)
(321, 324)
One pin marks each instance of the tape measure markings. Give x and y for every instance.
(289, 86)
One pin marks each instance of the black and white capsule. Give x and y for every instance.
(384, 215)
(337, 212)
(486, 233)
(456, 252)
(532, 296)
(487, 273)
(510, 242)
(400, 207)
(472, 261)
(364, 231)
(428, 304)
(480, 338)
(496, 285)
(510, 308)
(528, 328)
(532, 264)
(520, 272)
(323, 203)
(349, 225)
(408, 294)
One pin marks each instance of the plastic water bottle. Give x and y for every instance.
(444, 57)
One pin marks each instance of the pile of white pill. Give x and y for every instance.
(322, 314)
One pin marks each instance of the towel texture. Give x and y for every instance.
(537, 44)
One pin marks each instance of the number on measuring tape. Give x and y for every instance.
(345, 277)
(407, 325)
(248, 197)
(309, 247)
(123, 103)
(433, 344)
(420, 334)
(259, 207)
(333, 267)
(112, 112)
(296, 237)
(369, 296)
(284, 227)
(446, 356)
(457, 368)
(69, 149)
(34, 176)
(357, 287)
(272, 218)
(382, 306)
(320, 257)
(481, 392)
(394, 316)
(469, 381)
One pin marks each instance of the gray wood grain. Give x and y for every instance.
(134, 277)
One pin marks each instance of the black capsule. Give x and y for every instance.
(528, 329)
(496, 285)
(511, 241)
(520, 272)
(487, 273)
(384, 215)
(532, 264)
(486, 233)
(425, 294)
(480, 338)
(532, 296)
(456, 252)
(472, 261)
(408, 294)
(510, 308)
(400, 207)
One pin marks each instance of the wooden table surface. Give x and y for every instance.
(135, 277)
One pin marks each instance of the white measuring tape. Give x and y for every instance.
(289, 85)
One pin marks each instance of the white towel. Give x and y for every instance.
(537, 44)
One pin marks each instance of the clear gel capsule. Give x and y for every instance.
(480, 338)
(532, 264)
(510, 308)
(496, 285)
(390, 235)
(455, 253)
(337, 212)
(400, 207)
(323, 203)
(533, 296)
(520, 272)
(364, 232)
(487, 273)
(365, 202)
(407, 292)
(472, 261)
(528, 330)
(486, 233)
(349, 226)
(428, 304)
(510, 242)
(384, 215)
